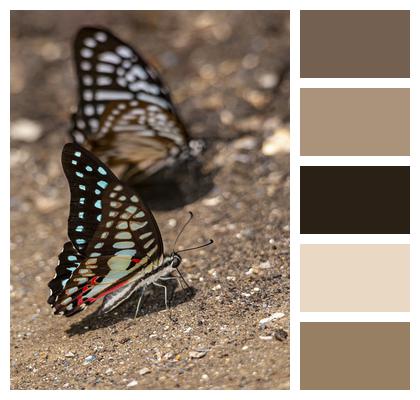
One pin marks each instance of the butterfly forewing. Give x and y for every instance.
(123, 103)
(121, 246)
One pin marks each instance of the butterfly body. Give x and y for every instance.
(115, 245)
(125, 113)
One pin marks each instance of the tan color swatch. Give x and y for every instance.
(351, 278)
(355, 355)
(355, 44)
(355, 122)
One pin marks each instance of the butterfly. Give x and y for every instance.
(125, 113)
(115, 245)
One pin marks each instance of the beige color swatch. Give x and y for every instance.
(355, 122)
(351, 278)
(355, 355)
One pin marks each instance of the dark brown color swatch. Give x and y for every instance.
(355, 355)
(355, 44)
(355, 122)
(355, 200)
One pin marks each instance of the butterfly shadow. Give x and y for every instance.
(152, 303)
(174, 188)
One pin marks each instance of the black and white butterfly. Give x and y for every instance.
(125, 113)
(115, 245)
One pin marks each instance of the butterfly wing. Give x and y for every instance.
(125, 231)
(123, 100)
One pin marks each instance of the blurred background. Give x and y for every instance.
(228, 73)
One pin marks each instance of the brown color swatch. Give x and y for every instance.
(355, 44)
(355, 278)
(355, 355)
(355, 200)
(355, 122)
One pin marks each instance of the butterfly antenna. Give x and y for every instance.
(182, 230)
(211, 241)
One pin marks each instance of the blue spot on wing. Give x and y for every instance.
(87, 186)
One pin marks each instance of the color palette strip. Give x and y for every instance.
(355, 355)
(348, 121)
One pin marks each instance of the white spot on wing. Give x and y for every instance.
(100, 36)
(153, 99)
(124, 51)
(109, 57)
(104, 68)
(146, 87)
(112, 95)
(103, 80)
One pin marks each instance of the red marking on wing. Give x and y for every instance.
(88, 286)
(136, 260)
(112, 289)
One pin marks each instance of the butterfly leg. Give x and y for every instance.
(172, 278)
(142, 290)
(166, 293)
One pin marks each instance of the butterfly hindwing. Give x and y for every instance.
(121, 246)
(68, 262)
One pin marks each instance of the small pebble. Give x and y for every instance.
(265, 265)
(269, 319)
(277, 143)
(132, 383)
(25, 130)
(250, 61)
(245, 295)
(205, 377)
(109, 371)
(281, 334)
(172, 222)
(268, 80)
(245, 143)
(266, 337)
(197, 354)
(69, 354)
(226, 117)
(214, 201)
(89, 359)
(144, 371)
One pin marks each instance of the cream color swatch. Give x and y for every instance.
(355, 278)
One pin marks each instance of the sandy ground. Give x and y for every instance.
(228, 73)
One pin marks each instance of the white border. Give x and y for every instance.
(296, 83)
